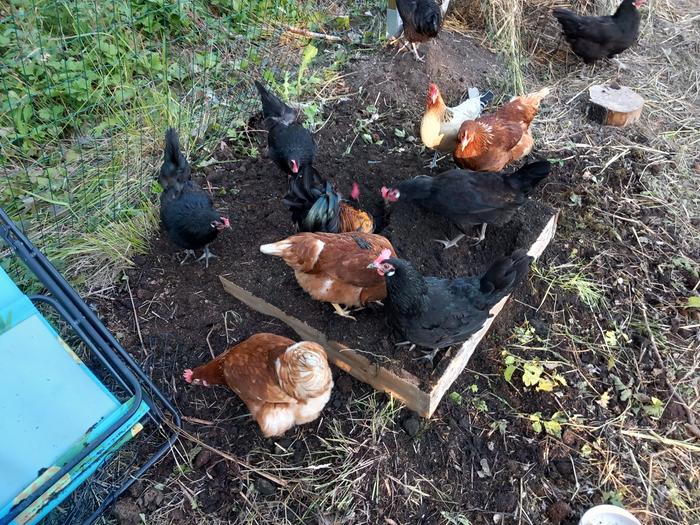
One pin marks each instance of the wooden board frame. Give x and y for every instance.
(402, 384)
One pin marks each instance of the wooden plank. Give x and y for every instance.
(403, 386)
(343, 357)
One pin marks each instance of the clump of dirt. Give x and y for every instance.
(453, 61)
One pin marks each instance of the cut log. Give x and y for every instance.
(614, 105)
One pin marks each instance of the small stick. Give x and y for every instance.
(136, 318)
(197, 421)
(313, 34)
(690, 426)
(234, 459)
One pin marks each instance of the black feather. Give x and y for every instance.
(175, 170)
(468, 198)
(435, 313)
(595, 37)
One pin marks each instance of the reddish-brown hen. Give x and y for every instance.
(491, 142)
(333, 267)
(282, 383)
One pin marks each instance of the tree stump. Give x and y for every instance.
(614, 105)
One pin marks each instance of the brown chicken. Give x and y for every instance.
(282, 383)
(333, 267)
(491, 142)
(440, 123)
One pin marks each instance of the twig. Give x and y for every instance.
(690, 426)
(211, 350)
(313, 34)
(197, 421)
(136, 318)
(225, 455)
(652, 436)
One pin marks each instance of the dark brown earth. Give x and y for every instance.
(185, 317)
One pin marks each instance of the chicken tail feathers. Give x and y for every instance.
(505, 274)
(324, 215)
(486, 99)
(274, 108)
(535, 98)
(567, 19)
(175, 171)
(529, 176)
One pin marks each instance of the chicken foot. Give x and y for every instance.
(428, 355)
(433, 163)
(188, 254)
(462, 235)
(206, 256)
(414, 48)
(406, 343)
(452, 242)
(342, 312)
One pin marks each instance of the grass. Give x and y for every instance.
(88, 90)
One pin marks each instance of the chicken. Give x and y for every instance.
(435, 313)
(468, 198)
(289, 144)
(316, 207)
(492, 141)
(186, 212)
(333, 267)
(175, 171)
(282, 383)
(422, 20)
(440, 124)
(595, 37)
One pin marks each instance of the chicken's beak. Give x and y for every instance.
(372, 265)
(295, 166)
(465, 141)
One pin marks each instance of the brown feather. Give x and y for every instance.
(333, 267)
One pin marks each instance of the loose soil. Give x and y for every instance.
(185, 317)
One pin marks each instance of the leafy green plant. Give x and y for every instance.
(551, 426)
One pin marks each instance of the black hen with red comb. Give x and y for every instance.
(435, 313)
(289, 144)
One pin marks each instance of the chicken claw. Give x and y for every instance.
(433, 163)
(188, 254)
(414, 48)
(206, 256)
(428, 356)
(342, 312)
(406, 343)
(451, 243)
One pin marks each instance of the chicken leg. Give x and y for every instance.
(414, 48)
(433, 163)
(206, 256)
(428, 355)
(452, 242)
(188, 254)
(462, 235)
(342, 312)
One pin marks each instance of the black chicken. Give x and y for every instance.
(317, 207)
(289, 144)
(595, 37)
(187, 212)
(436, 313)
(422, 20)
(175, 170)
(468, 198)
